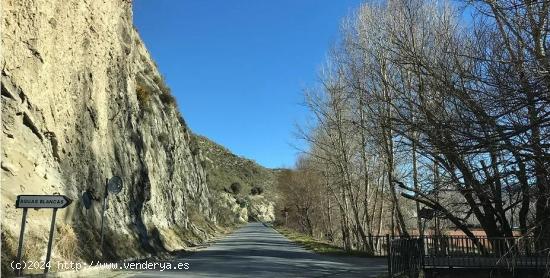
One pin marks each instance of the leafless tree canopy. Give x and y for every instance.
(428, 104)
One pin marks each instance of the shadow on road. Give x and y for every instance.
(259, 251)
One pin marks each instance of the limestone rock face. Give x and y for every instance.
(229, 211)
(261, 208)
(81, 102)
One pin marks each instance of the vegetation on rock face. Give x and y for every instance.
(236, 188)
(168, 99)
(164, 138)
(144, 94)
(159, 80)
(143, 97)
(194, 145)
(256, 190)
(181, 120)
(243, 202)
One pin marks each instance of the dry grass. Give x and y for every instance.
(317, 245)
(9, 249)
(159, 80)
(34, 249)
(127, 246)
(310, 243)
(67, 245)
(143, 97)
(196, 217)
(66, 248)
(173, 239)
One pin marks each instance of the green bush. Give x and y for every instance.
(256, 190)
(242, 202)
(168, 99)
(182, 121)
(159, 80)
(166, 94)
(194, 146)
(236, 188)
(163, 138)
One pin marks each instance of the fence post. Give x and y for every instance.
(371, 245)
(388, 248)
(421, 254)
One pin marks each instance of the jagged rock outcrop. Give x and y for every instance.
(82, 101)
(228, 210)
(261, 208)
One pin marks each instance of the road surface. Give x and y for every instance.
(259, 251)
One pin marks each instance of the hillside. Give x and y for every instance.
(223, 168)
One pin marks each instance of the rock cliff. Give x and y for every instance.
(82, 101)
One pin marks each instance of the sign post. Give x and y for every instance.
(25, 202)
(113, 185)
(285, 212)
(19, 271)
(50, 240)
(103, 212)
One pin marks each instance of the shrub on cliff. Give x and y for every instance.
(166, 94)
(256, 190)
(159, 80)
(242, 202)
(182, 120)
(168, 99)
(164, 138)
(236, 188)
(194, 146)
(143, 97)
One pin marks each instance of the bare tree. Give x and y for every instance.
(415, 103)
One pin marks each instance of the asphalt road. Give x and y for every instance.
(258, 251)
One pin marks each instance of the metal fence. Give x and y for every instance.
(510, 252)
(378, 245)
(407, 256)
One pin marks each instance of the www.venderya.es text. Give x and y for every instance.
(77, 266)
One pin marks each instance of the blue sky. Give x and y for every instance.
(238, 68)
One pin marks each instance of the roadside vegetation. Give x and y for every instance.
(316, 245)
(428, 108)
(309, 242)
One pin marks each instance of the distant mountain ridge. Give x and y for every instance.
(224, 168)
